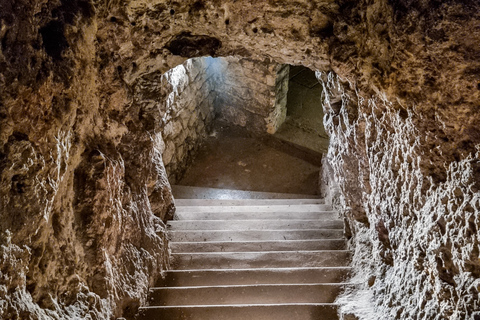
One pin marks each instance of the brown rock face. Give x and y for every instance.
(78, 237)
(83, 187)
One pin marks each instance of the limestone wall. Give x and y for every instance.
(184, 99)
(188, 113)
(83, 189)
(416, 252)
(251, 93)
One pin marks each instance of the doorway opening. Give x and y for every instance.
(304, 122)
(238, 123)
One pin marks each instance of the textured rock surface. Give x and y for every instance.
(416, 240)
(80, 174)
(83, 188)
(244, 92)
(251, 93)
(184, 97)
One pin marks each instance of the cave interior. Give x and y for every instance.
(105, 105)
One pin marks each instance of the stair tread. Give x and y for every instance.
(255, 230)
(268, 259)
(263, 285)
(239, 235)
(192, 192)
(249, 246)
(252, 209)
(262, 269)
(260, 252)
(210, 277)
(318, 215)
(252, 220)
(244, 202)
(245, 305)
(251, 294)
(259, 259)
(260, 241)
(286, 311)
(232, 225)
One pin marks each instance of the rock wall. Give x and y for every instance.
(251, 93)
(405, 153)
(80, 176)
(416, 244)
(83, 188)
(184, 99)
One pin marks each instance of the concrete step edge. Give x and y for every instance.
(193, 192)
(239, 311)
(268, 208)
(254, 220)
(319, 211)
(276, 252)
(173, 223)
(207, 216)
(260, 269)
(258, 241)
(258, 230)
(240, 305)
(245, 235)
(252, 230)
(334, 284)
(254, 275)
(243, 202)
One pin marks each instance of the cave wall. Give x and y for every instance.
(416, 240)
(83, 187)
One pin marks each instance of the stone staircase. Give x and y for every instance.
(260, 259)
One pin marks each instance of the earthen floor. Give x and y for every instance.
(231, 159)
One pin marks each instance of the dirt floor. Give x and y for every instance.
(231, 159)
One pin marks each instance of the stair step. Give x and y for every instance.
(245, 202)
(262, 259)
(246, 294)
(217, 277)
(246, 235)
(241, 312)
(247, 260)
(254, 224)
(249, 246)
(189, 192)
(321, 215)
(252, 209)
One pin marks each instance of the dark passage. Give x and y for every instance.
(304, 123)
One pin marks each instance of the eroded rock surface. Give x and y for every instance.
(78, 237)
(84, 190)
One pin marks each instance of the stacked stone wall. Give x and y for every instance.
(187, 113)
(251, 93)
